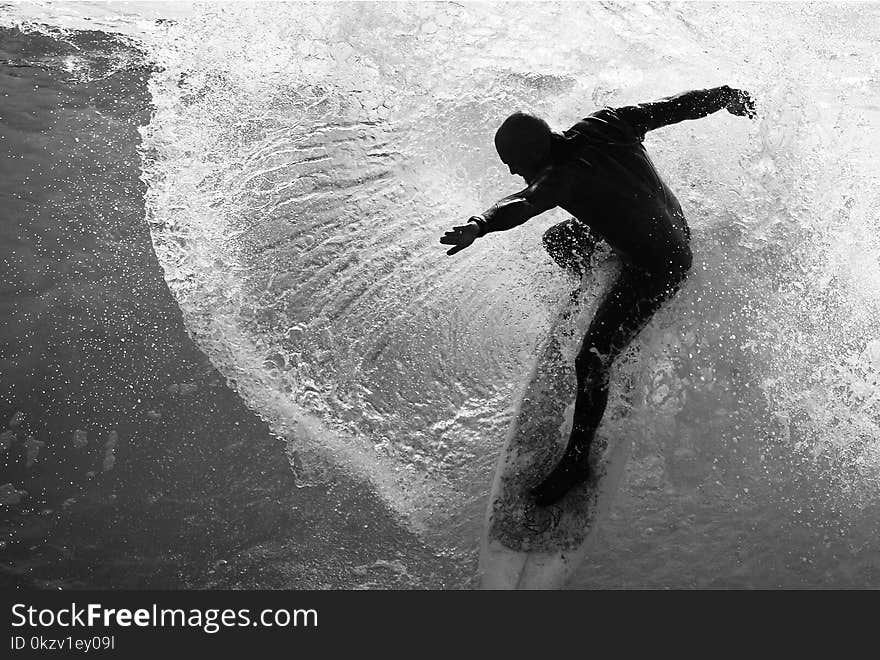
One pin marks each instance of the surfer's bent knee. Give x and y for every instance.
(552, 237)
(670, 278)
(556, 245)
(569, 244)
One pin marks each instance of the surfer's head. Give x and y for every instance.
(523, 144)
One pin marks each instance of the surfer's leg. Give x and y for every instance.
(570, 245)
(625, 310)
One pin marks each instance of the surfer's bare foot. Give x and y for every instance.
(572, 469)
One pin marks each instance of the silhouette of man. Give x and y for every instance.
(599, 172)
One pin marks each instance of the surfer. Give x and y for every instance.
(599, 172)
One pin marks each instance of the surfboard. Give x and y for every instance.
(529, 547)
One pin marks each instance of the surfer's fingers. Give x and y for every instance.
(746, 103)
(457, 248)
(455, 236)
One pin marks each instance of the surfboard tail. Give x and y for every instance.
(530, 547)
(503, 568)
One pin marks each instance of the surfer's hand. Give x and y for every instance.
(742, 104)
(461, 237)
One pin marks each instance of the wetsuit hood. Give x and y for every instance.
(523, 141)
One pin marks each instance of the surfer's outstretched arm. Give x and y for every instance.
(505, 214)
(514, 210)
(695, 104)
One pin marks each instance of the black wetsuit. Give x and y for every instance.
(602, 175)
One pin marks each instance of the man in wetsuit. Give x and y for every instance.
(599, 171)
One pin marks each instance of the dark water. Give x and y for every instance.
(140, 467)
